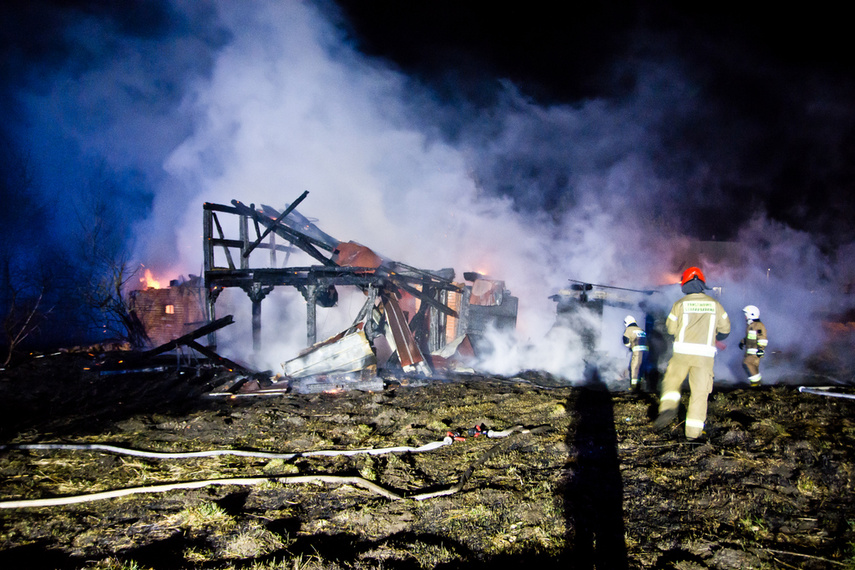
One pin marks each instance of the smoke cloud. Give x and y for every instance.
(258, 101)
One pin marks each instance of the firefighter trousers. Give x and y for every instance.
(699, 369)
(751, 364)
(635, 367)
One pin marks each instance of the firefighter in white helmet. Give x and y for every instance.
(635, 339)
(754, 344)
(696, 322)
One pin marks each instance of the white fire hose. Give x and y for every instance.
(448, 440)
(215, 452)
(358, 481)
(825, 392)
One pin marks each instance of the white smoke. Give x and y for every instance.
(289, 106)
(785, 274)
(532, 194)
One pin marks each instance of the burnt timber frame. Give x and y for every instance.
(311, 281)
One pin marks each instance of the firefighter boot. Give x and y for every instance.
(665, 418)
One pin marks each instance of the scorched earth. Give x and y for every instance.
(575, 476)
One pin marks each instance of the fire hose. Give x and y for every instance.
(216, 452)
(450, 437)
(825, 392)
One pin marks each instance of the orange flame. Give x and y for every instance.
(149, 280)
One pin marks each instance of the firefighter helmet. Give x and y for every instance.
(692, 272)
(629, 320)
(752, 313)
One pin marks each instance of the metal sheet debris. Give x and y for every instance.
(344, 353)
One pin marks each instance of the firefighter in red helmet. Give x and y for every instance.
(696, 322)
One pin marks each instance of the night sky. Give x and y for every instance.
(590, 142)
(771, 91)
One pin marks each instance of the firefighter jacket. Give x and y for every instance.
(635, 339)
(755, 337)
(696, 321)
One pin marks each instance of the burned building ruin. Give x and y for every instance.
(171, 312)
(412, 320)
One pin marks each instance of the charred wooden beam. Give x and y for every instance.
(243, 227)
(304, 242)
(437, 324)
(404, 277)
(424, 297)
(310, 292)
(294, 276)
(183, 340)
(217, 358)
(222, 237)
(276, 222)
(237, 244)
(443, 278)
(300, 223)
(257, 293)
(208, 206)
(366, 309)
(223, 242)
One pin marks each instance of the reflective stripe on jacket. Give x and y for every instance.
(695, 321)
(755, 337)
(635, 339)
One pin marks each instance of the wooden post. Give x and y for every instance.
(208, 249)
(256, 325)
(436, 337)
(207, 237)
(256, 293)
(244, 239)
(311, 295)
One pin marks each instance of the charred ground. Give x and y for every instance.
(593, 485)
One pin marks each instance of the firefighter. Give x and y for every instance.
(697, 322)
(754, 344)
(635, 339)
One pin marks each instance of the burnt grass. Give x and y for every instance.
(586, 484)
